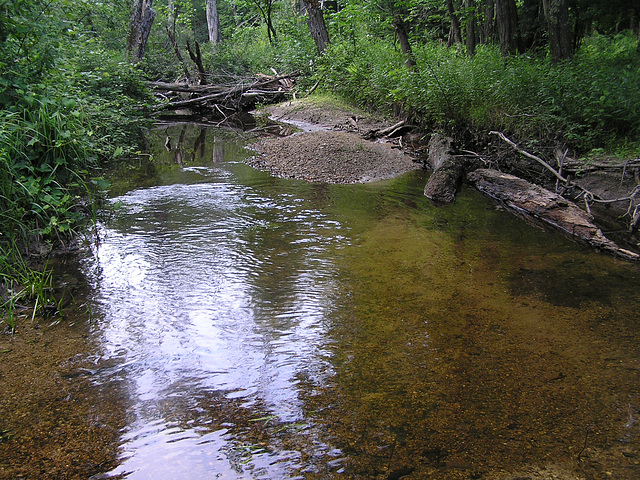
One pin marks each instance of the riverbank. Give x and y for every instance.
(333, 147)
(330, 146)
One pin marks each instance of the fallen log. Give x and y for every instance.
(588, 195)
(545, 208)
(185, 87)
(444, 183)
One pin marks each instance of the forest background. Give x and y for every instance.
(74, 90)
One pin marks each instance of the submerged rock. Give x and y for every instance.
(543, 207)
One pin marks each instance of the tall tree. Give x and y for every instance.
(488, 30)
(470, 26)
(317, 26)
(507, 22)
(142, 16)
(556, 13)
(400, 27)
(455, 35)
(213, 22)
(398, 11)
(265, 7)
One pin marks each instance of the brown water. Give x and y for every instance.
(259, 328)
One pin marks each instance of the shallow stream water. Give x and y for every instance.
(261, 328)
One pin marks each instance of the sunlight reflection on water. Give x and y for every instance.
(198, 295)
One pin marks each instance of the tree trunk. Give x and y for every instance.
(270, 29)
(487, 32)
(507, 20)
(171, 16)
(557, 14)
(470, 26)
(315, 20)
(265, 12)
(403, 38)
(213, 22)
(142, 16)
(454, 33)
(197, 59)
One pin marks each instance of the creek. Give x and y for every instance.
(253, 327)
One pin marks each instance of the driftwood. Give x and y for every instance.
(589, 197)
(543, 207)
(388, 132)
(220, 100)
(580, 166)
(444, 183)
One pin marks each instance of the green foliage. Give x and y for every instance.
(249, 51)
(38, 152)
(22, 285)
(66, 103)
(600, 90)
(586, 102)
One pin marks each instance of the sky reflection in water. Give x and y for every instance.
(265, 328)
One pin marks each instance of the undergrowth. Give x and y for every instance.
(58, 124)
(589, 102)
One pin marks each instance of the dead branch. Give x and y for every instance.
(185, 87)
(197, 59)
(477, 155)
(218, 99)
(384, 131)
(531, 156)
(588, 195)
(172, 38)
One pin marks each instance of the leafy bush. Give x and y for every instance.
(81, 105)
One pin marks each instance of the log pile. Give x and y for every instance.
(221, 101)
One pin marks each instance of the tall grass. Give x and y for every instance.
(588, 102)
(39, 153)
(24, 289)
(53, 138)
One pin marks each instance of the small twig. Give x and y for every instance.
(587, 199)
(221, 112)
(560, 159)
(313, 89)
(477, 155)
(584, 446)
